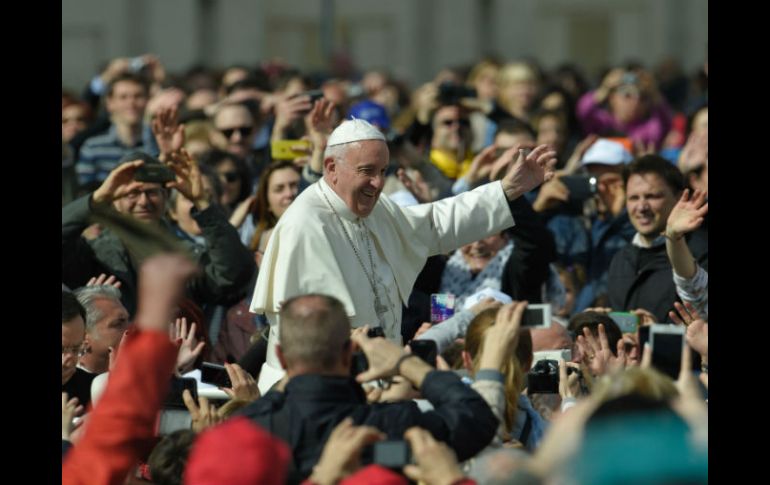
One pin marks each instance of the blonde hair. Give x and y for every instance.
(648, 383)
(513, 367)
(517, 72)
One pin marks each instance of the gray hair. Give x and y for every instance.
(314, 329)
(88, 294)
(337, 152)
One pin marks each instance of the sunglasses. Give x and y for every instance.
(462, 122)
(229, 177)
(243, 130)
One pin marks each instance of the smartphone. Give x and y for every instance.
(537, 316)
(215, 374)
(628, 322)
(359, 364)
(174, 398)
(667, 342)
(285, 149)
(173, 420)
(392, 454)
(581, 187)
(154, 172)
(442, 306)
(136, 64)
(426, 350)
(375, 332)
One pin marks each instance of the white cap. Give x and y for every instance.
(354, 130)
(607, 152)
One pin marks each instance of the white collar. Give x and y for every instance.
(641, 243)
(337, 203)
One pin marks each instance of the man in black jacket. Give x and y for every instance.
(316, 351)
(640, 274)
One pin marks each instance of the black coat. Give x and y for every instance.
(643, 277)
(305, 414)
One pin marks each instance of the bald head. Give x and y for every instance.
(313, 333)
(554, 337)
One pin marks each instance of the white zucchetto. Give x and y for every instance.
(354, 130)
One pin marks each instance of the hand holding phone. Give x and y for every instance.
(667, 342)
(425, 350)
(154, 173)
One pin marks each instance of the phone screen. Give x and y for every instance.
(667, 353)
(537, 316)
(392, 454)
(442, 306)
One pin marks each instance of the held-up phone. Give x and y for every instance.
(451, 93)
(285, 149)
(155, 173)
(667, 342)
(537, 316)
(628, 322)
(174, 398)
(426, 350)
(375, 332)
(442, 307)
(644, 336)
(215, 374)
(392, 454)
(174, 415)
(581, 187)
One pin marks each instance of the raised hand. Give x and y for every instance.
(500, 339)
(436, 462)
(188, 178)
(685, 314)
(341, 455)
(189, 347)
(687, 215)
(102, 279)
(168, 132)
(597, 355)
(203, 416)
(244, 386)
(528, 171)
(118, 183)
(481, 166)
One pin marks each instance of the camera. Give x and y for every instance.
(449, 93)
(375, 332)
(359, 364)
(543, 378)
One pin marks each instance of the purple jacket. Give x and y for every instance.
(596, 119)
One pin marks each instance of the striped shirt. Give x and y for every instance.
(100, 154)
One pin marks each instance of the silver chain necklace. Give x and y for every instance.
(379, 308)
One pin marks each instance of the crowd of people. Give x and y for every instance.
(301, 229)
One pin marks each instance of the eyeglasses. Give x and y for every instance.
(461, 122)
(78, 350)
(243, 130)
(150, 193)
(229, 177)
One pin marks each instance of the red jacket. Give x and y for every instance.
(121, 428)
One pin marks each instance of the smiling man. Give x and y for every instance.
(341, 238)
(640, 273)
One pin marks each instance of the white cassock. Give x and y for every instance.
(309, 252)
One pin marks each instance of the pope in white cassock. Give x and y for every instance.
(340, 238)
